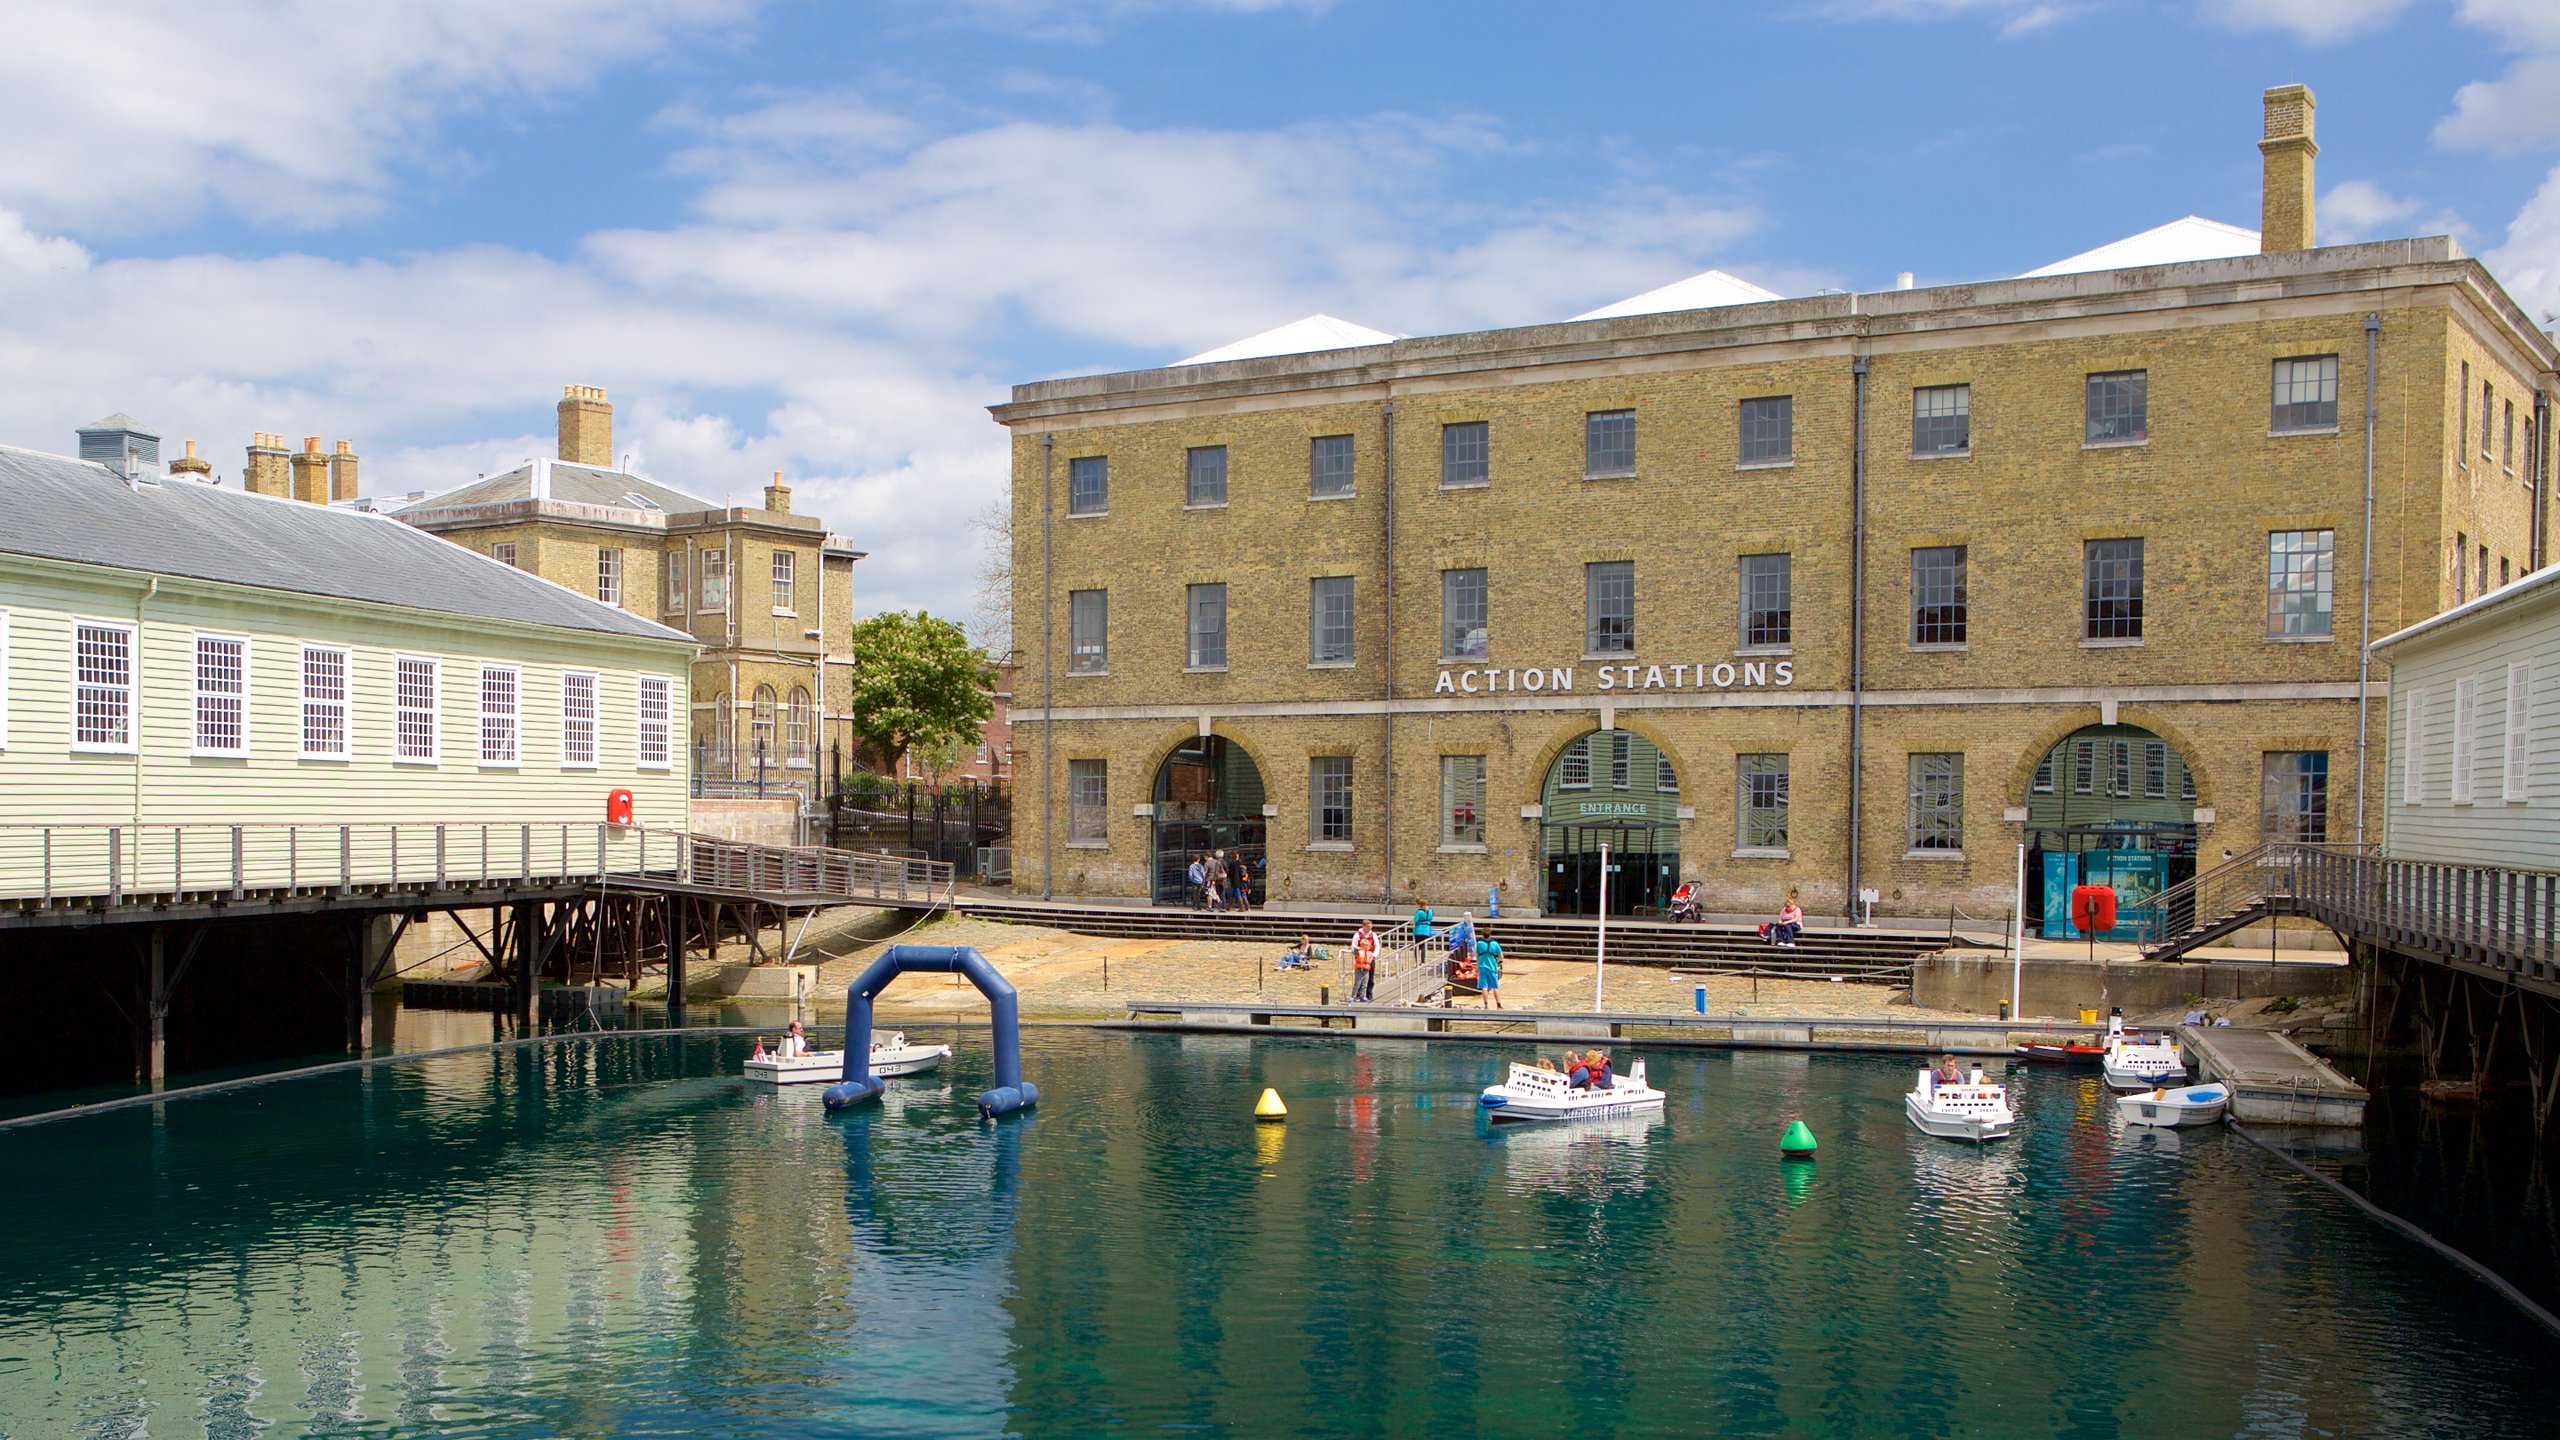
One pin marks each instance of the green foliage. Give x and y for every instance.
(916, 682)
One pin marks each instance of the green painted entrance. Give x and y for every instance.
(1208, 796)
(1613, 788)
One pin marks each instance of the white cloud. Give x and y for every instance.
(2318, 21)
(132, 114)
(2362, 210)
(2016, 17)
(2528, 263)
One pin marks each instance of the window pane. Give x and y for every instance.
(1088, 484)
(2306, 394)
(2299, 577)
(655, 714)
(715, 580)
(103, 667)
(1466, 453)
(1768, 429)
(1937, 595)
(675, 580)
(324, 702)
(785, 569)
(1609, 608)
(1329, 620)
(1609, 442)
(1329, 465)
(1937, 802)
(1208, 608)
(414, 710)
(497, 715)
(2295, 804)
(1463, 633)
(1088, 631)
(1620, 754)
(2119, 406)
(1762, 785)
(222, 681)
(1206, 482)
(797, 724)
(1941, 419)
(1088, 801)
(1461, 799)
(2112, 590)
(609, 575)
(1575, 771)
(1768, 600)
(577, 719)
(1329, 797)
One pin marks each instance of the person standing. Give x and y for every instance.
(1217, 879)
(1462, 956)
(1489, 971)
(1364, 963)
(1199, 877)
(1421, 920)
(1243, 882)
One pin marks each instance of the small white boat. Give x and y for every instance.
(891, 1057)
(1535, 1093)
(2184, 1105)
(1973, 1109)
(2135, 1063)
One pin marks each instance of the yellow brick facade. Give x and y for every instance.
(2204, 489)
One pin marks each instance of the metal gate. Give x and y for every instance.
(1644, 868)
(1179, 842)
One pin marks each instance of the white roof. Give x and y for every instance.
(2505, 596)
(1298, 337)
(2188, 238)
(1703, 291)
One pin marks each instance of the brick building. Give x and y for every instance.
(769, 593)
(1853, 591)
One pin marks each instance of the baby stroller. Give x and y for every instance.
(1684, 902)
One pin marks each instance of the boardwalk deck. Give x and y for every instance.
(1743, 1032)
(2272, 1079)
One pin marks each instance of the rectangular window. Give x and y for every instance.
(1666, 780)
(1762, 795)
(324, 703)
(1329, 799)
(1609, 443)
(2507, 435)
(2084, 767)
(674, 563)
(2488, 403)
(2299, 576)
(222, 695)
(1205, 475)
(2462, 417)
(1937, 803)
(2465, 717)
(786, 574)
(2120, 769)
(1575, 771)
(577, 720)
(504, 552)
(1621, 772)
(657, 714)
(1329, 620)
(1941, 419)
(1466, 454)
(2042, 784)
(1207, 607)
(1463, 632)
(1768, 429)
(1462, 800)
(2306, 394)
(1088, 632)
(1768, 601)
(414, 709)
(2461, 567)
(499, 685)
(2512, 775)
(2295, 803)
(1329, 466)
(2119, 408)
(102, 688)
(609, 575)
(715, 581)
(2111, 590)
(1937, 595)
(1088, 484)
(1609, 608)
(2155, 770)
(2482, 587)
(4, 679)
(1088, 802)
(2413, 734)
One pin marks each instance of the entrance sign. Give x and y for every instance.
(1564, 679)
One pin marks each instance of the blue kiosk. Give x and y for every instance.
(1011, 1091)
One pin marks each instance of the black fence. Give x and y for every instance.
(954, 822)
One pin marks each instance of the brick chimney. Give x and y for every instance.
(311, 472)
(189, 465)
(777, 496)
(342, 472)
(267, 473)
(2284, 222)
(586, 426)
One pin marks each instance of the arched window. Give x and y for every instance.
(796, 725)
(760, 724)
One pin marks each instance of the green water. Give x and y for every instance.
(615, 1236)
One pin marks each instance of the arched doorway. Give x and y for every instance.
(2110, 805)
(1208, 796)
(1610, 787)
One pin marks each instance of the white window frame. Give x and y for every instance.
(2514, 777)
(321, 706)
(570, 720)
(786, 583)
(655, 732)
(672, 580)
(432, 712)
(4, 679)
(2413, 753)
(609, 574)
(124, 693)
(512, 718)
(503, 551)
(1088, 816)
(198, 695)
(710, 573)
(2466, 714)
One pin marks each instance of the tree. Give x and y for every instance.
(916, 681)
(938, 757)
(994, 621)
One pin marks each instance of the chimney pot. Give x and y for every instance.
(2284, 218)
(310, 470)
(777, 496)
(586, 426)
(267, 472)
(1902, 280)
(188, 464)
(342, 472)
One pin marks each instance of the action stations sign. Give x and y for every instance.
(1561, 679)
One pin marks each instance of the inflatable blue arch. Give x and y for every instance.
(1011, 1091)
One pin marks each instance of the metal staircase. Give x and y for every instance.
(2254, 885)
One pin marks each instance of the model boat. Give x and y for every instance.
(2185, 1105)
(1973, 1109)
(2062, 1052)
(2133, 1062)
(1534, 1092)
(891, 1057)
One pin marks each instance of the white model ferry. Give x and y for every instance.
(1973, 1109)
(1535, 1093)
(2135, 1063)
(891, 1056)
(2178, 1106)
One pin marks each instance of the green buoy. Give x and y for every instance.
(1797, 1144)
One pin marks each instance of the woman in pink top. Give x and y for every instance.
(1789, 925)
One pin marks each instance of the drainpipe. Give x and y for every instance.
(2364, 644)
(1857, 619)
(1048, 686)
(2540, 437)
(1387, 876)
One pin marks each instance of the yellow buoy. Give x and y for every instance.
(1269, 1106)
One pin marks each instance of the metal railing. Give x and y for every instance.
(46, 865)
(815, 870)
(2484, 917)
(2262, 877)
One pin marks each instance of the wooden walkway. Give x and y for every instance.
(1741, 1032)
(2273, 1081)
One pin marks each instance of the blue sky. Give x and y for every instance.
(821, 237)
